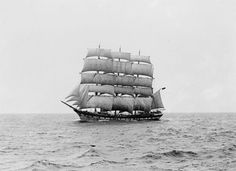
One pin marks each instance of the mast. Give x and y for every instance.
(135, 112)
(117, 94)
(96, 93)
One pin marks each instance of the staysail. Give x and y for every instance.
(79, 95)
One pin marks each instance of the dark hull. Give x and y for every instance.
(86, 116)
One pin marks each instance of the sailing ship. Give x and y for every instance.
(115, 85)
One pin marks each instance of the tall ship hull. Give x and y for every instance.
(115, 86)
(90, 116)
(86, 116)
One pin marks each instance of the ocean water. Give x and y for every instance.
(184, 141)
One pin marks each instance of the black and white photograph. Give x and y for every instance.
(117, 85)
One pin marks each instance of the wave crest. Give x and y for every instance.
(172, 153)
(46, 164)
(179, 153)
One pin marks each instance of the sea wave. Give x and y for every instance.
(50, 165)
(56, 142)
(106, 162)
(179, 153)
(90, 153)
(172, 153)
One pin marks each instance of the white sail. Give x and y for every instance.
(125, 80)
(122, 67)
(109, 79)
(121, 55)
(87, 78)
(105, 65)
(103, 102)
(143, 91)
(124, 90)
(99, 52)
(143, 81)
(143, 103)
(102, 89)
(76, 91)
(75, 103)
(96, 78)
(157, 102)
(79, 95)
(110, 66)
(138, 58)
(123, 104)
(105, 79)
(142, 69)
(73, 99)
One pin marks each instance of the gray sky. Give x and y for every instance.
(192, 44)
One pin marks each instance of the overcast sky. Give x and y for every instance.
(192, 44)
